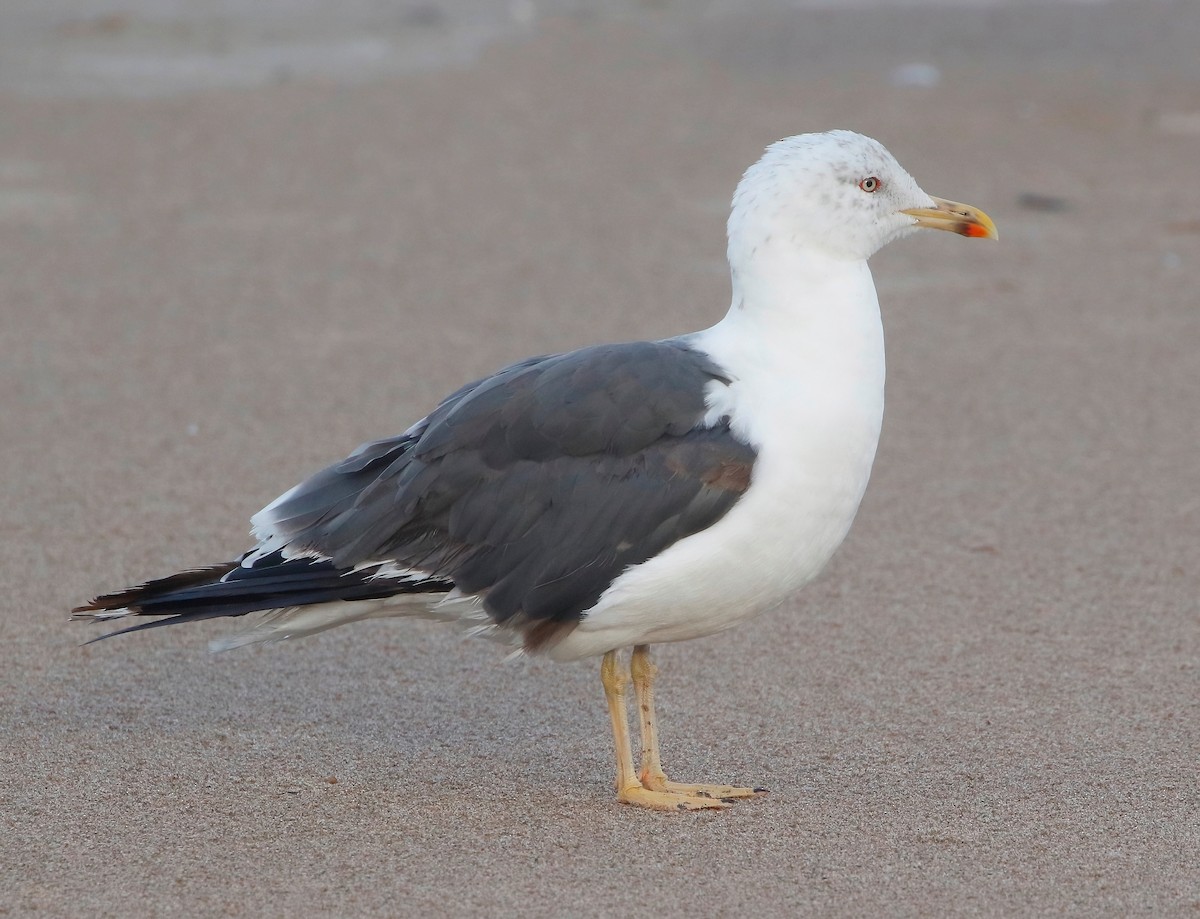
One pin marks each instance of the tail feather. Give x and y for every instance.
(270, 583)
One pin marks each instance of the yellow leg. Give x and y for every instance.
(652, 777)
(629, 789)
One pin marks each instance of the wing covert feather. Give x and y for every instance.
(537, 486)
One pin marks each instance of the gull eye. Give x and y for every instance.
(870, 184)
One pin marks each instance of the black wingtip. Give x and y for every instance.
(141, 626)
(233, 589)
(130, 597)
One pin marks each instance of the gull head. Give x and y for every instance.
(839, 194)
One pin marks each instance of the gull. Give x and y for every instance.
(620, 495)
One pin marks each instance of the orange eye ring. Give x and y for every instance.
(870, 184)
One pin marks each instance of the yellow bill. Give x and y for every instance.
(955, 217)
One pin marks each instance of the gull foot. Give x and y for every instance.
(661, 783)
(668, 800)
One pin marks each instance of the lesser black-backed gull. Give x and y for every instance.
(619, 495)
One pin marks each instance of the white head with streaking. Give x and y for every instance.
(838, 193)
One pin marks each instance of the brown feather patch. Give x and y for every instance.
(729, 476)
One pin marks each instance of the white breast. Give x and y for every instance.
(808, 393)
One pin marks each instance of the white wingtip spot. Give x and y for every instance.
(102, 616)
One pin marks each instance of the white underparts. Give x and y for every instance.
(805, 351)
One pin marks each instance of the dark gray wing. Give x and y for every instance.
(537, 486)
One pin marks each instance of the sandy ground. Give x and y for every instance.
(988, 705)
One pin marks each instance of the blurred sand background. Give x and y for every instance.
(236, 242)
